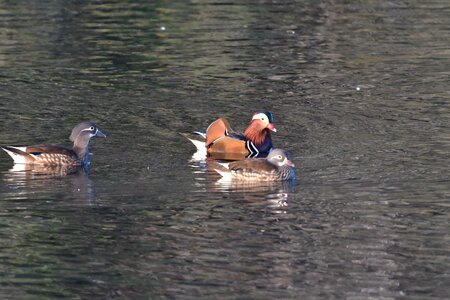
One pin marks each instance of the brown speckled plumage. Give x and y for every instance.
(275, 167)
(54, 155)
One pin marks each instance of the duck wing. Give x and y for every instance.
(50, 149)
(228, 148)
(252, 165)
(217, 129)
(39, 153)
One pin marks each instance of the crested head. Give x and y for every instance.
(267, 113)
(280, 158)
(265, 116)
(259, 127)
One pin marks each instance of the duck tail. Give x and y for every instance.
(223, 169)
(19, 154)
(197, 138)
(226, 174)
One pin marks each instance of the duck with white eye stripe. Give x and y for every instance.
(58, 155)
(275, 167)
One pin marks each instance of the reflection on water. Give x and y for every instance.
(276, 194)
(24, 180)
(359, 90)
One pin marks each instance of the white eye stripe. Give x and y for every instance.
(259, 116)
(90, 129)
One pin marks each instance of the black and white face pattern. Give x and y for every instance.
(279, 158)
(85, 130)
(91, 130)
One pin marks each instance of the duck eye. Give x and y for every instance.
(92, 128)
(279, 157)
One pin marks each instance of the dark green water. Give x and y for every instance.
(360, 96)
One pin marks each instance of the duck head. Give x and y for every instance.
(259, 127)
(81, 135)
(279, 158)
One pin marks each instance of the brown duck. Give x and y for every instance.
(55, 155)
(275, 167)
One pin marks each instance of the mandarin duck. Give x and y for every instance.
(221, 142)
(58, 155)
(275, 167)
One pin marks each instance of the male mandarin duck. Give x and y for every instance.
(275, 167)
(58, 155)
(221, 142)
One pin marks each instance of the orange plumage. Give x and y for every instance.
(223, 143)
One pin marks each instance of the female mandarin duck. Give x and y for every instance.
(58, 155)
(222, 143)
(276, 167)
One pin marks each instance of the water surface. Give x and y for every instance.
(359, 93)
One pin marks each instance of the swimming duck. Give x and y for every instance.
(54, 155)
(221, 142)
(275, 167)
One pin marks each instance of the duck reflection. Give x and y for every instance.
(29, 180)
(276, 194)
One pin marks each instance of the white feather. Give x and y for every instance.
(18, 159)
(224, 164)
(23, 149)
(200, 155)
(201, 152)
(202, 134)
(20, 167)
(226, 175)
(198, 144)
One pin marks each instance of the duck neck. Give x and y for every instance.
(80, 146)
(255, 134)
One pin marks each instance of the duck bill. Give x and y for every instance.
(100, 134)
(290, 163)
(271, 127)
